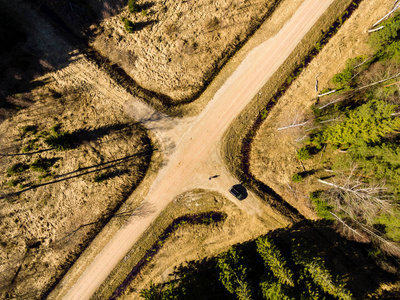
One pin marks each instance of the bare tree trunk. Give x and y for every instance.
(332, 102)
(397, 6)
(345, 224)
(360, 64)
(377, 82)
(294, 125)
(376, 29)
(327, 93)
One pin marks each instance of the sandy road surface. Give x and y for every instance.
(196, 145)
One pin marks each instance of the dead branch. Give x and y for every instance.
(392, 84)
(316, 127)
(367, 199)
(377, 82)
(344, 224)
(332, 102)
(301, 163)
(330, 120)
(387, 15)
(322, 153)
(376, 29)
(294, 125)
(300, 139)
(316, 82)
(369, 231)
(327, 93)
(360, 64)
(291, 189)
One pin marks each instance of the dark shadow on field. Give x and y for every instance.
(141, 25)
(81, 136)
(23, 61)
(120, 162)
(65, 140)
(20, 63)
(202, 281)
(146, 5)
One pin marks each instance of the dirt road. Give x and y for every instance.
(198, 143)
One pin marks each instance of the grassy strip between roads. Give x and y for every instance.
(238, 139)
(210, 202)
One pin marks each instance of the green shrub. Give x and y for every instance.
(46, 176)
(16, 168)
(41, 165)
(129, 26)
(392, 225)
(132, 6)
(367, 123)
(341, 80)
(60, 141)
(264, 114)
(100, 177)
(144, 12)
(274, 260)
(297, 177)
(28, 128)
(31, 146)
(391, 32)
(12, 182)
(321, 207)
(55, 129)
(303, 153)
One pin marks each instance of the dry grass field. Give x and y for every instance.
(273, 156)
(53, 202)
(177, 46)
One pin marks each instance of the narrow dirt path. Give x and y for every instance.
(191, 157)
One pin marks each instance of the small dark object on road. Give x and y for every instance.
(215, 176)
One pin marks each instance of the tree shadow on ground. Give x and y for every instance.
(19, 65)
(347, 259)
(64, 140)
(141, 25)
(81, 136)
(85, 171)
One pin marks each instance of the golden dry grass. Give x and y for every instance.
(47, 211)
(178, 45)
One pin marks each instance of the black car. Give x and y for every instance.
(239, 191)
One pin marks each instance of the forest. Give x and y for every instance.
(357, 131)
(307, 261)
